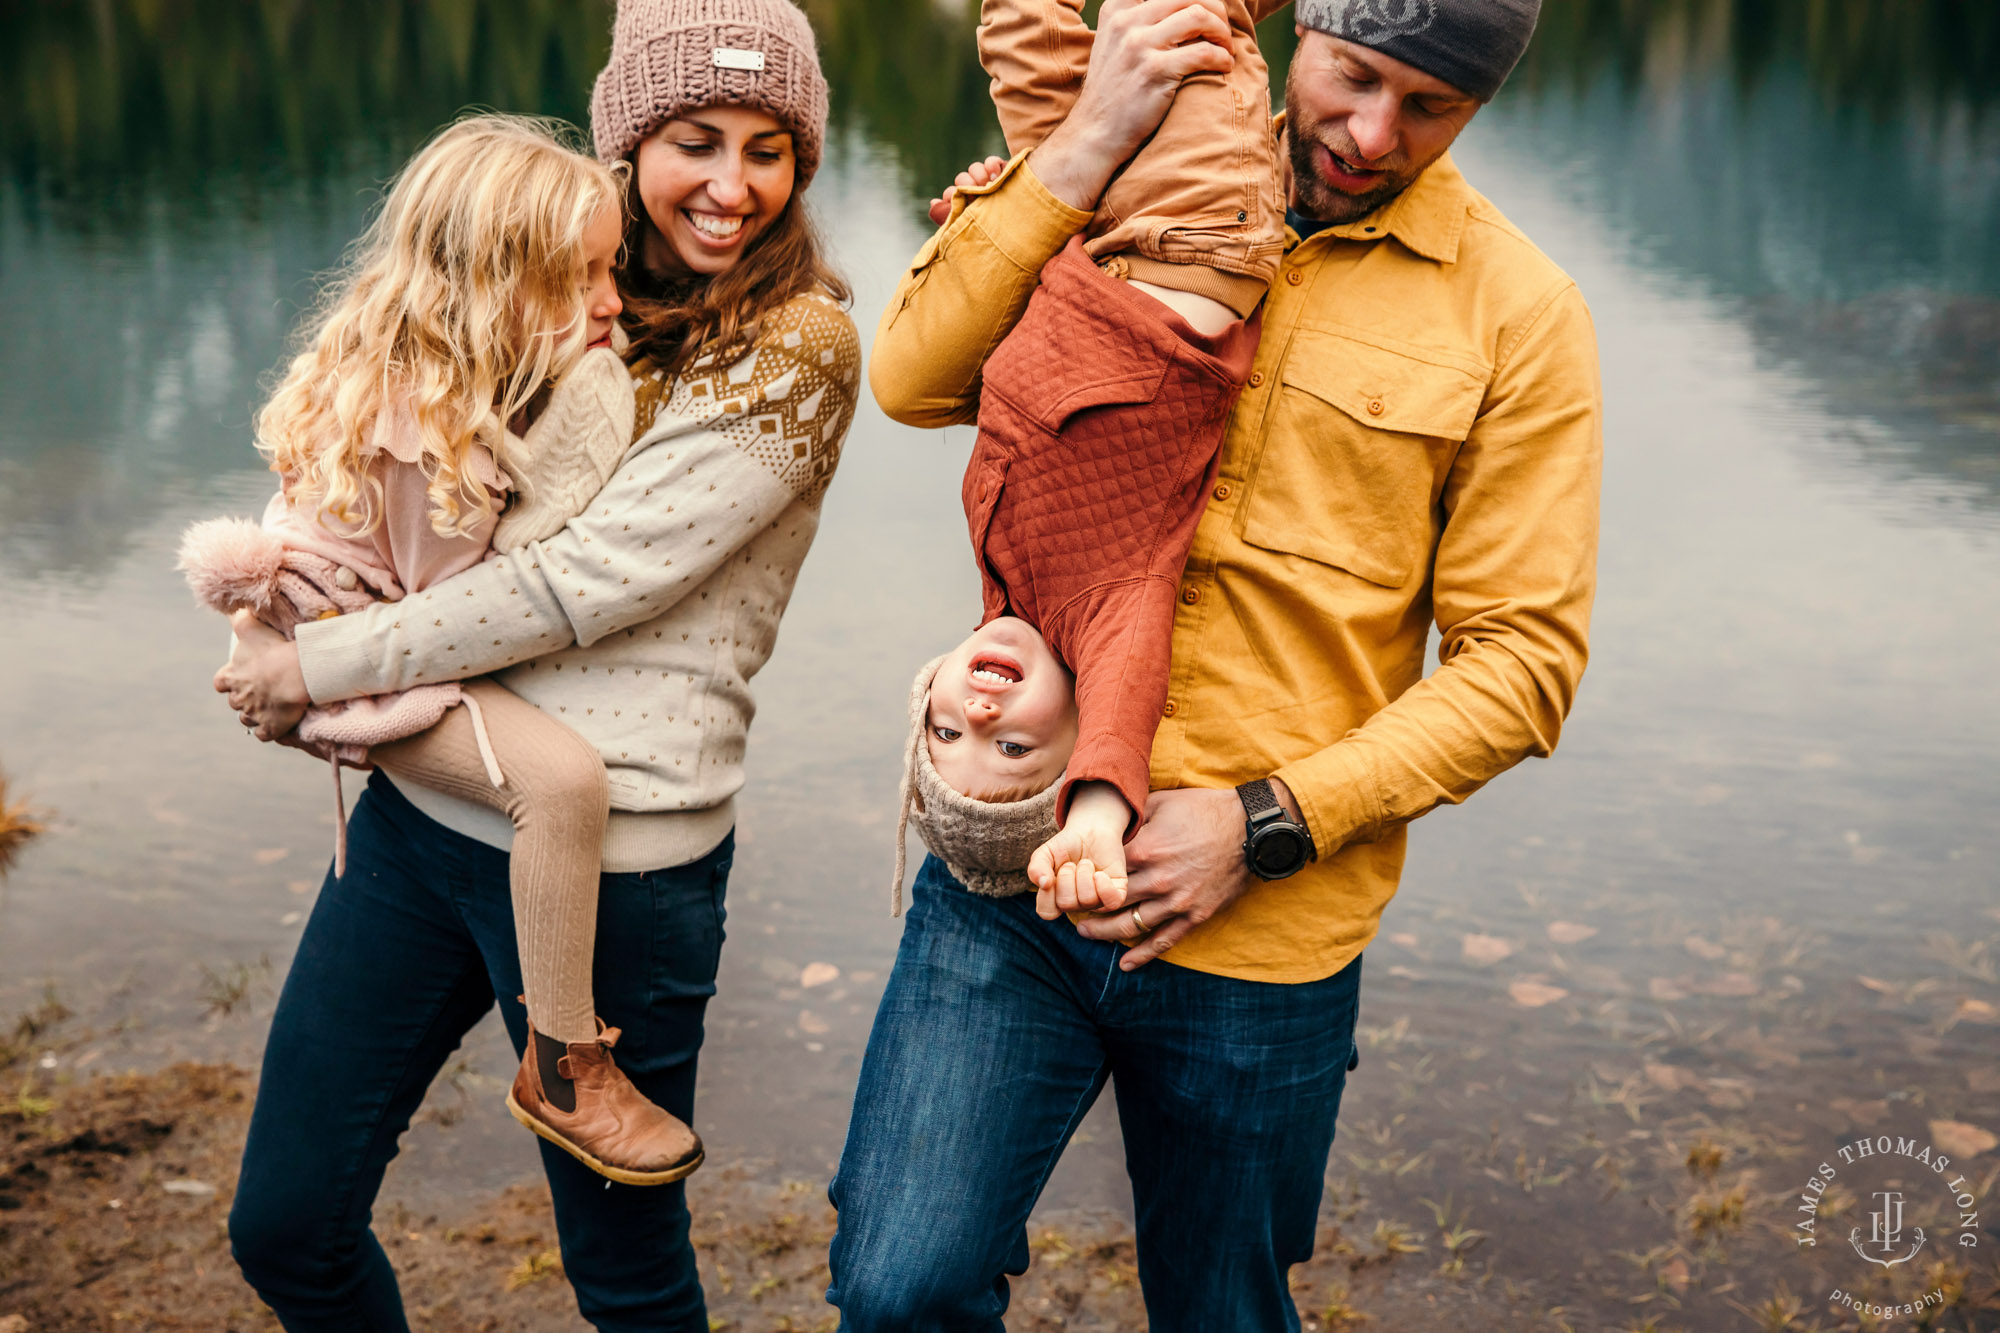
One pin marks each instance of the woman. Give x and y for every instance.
(640, 624)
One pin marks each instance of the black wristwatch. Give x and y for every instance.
(1275, 847)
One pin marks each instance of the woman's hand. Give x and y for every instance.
(262, 679)
(974, 176)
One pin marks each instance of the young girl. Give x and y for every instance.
(481, 297)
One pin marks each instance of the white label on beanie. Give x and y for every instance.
(728, 57)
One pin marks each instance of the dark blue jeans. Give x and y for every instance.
(400, 959)
(996, 1033)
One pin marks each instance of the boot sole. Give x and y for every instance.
(605, 1169)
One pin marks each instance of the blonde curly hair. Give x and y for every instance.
(462, 299)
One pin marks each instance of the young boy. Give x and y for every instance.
(1100, 421)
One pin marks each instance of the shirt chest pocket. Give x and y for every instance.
(1356, 450)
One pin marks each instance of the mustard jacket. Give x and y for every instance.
(1420, 442)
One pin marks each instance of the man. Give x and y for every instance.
(1419, 441)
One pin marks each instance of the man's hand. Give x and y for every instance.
(974, 176)
(1082, 868)
(1143, 49)
(262, 679)
(1186, 865)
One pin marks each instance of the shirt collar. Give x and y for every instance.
(1428, 218)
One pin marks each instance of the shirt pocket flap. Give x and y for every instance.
(1051, 395)
(1386, 389)
(1354, 456)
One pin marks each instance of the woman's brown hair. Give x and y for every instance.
(671, 321)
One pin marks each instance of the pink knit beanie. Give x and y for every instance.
(671, 56)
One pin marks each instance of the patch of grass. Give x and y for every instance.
(538, 1267)
(32, 1025)
(224, 992)
(17, 825)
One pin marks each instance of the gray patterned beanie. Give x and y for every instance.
(672, 56)
(1473, 45)
(985, 844)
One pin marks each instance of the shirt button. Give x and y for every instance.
(1295, 277)
(1222, 491)
(1374, 407)
(1171, 708)
(1256, 379)
(1191, 595)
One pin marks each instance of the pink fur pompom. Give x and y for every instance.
(232, 564)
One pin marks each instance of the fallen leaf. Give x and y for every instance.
(300, 885)
(1979, 1080)
(1729, 1094)
(1570, 932)
(1878, 986)
(1674, 1274)
(1671, 1078)
(13, 1323)
(777, 969)
(1486, 948)
(1406, 973)
(291, 918)
(1972, 1011)
(818, 974)
(1535, 994)
(1962, 1140)
(1538, 1118)
(1735, 985)
(1404, 938)
(862, 978)
(199, 1188)
(811, 1022)
(1864, 1114)
(1701, 948)
(1664, 990)
(270, 856)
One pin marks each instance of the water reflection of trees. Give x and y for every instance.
(1884, 56)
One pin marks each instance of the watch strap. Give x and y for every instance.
(1258, 798)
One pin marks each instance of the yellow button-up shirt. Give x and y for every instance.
(1420, 442)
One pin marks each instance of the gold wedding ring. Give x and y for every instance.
(1139, 921)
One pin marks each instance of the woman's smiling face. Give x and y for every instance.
(711, 182)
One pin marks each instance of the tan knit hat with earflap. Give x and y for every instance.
(671, 56)
(985, 844)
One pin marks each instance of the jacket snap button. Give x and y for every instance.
(1190, 595)
(1374, 407)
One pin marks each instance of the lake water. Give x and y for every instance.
(1749, 904)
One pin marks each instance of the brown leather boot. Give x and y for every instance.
(615, 1130)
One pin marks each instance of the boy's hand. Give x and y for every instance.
(1082, 868)
(974, 176)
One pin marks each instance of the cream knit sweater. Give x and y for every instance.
(641, 622)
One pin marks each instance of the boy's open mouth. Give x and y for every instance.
(996, 671)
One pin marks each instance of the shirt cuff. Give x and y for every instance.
(1337, 794)
(1027, 224)
(335, 660)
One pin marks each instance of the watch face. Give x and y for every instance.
(1277, 852)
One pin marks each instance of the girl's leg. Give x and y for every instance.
(1036, 52)
(571, 1090)
(556, 795)
(386, 981)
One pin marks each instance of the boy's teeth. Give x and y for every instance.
(720, 228)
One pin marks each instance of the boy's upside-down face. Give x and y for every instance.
(1002, 719)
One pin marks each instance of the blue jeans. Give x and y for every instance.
(996, 1033)
(401, 957)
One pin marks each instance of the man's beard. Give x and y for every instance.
(1311, 194)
